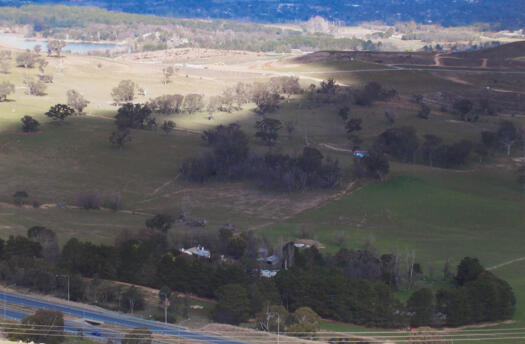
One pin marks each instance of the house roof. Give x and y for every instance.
(197, 251)
(269, 273)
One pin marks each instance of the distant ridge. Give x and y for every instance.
(506, 56)
(508, 51)
(507, 14)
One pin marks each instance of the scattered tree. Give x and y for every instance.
(305, 322)
(6, 88)
(76, 101)
(213, 105)
(47, 240)
(27, 59)
(401, 143)
(507, 133)
(35, 87)
(273, 318)
(133, 300)
(464, 108)
(60, 112)
(424, 111)
(55, 47)
(120, 137)
(161, 222)
(391, 117)
(29, 124)
(344, 112)
(265, 99)
(5, 61)
(46, 78)
(376, 164)
(290, 128)
(353, 125)
(167, 73)
(168, 126)
(193, 102)
(42, 64)
(20, 197)
(124, 92)
(431, 144)
(268, 130)
(521, 176)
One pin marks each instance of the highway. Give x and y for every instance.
(73, 327)
(107, 317)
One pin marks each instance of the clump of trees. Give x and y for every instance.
(231, 159)
(403, 143)
(373, 91)
(304, 322)
(479, 296)
(135, 116)
(505, 136)
(465, 109)
(373, 165)
(167, 104)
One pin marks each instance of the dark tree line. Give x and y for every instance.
(404, 144)
(355, 286)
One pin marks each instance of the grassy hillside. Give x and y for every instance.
(439, 214)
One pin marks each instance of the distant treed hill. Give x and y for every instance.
(508, 14)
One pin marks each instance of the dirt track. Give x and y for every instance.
(506, 263)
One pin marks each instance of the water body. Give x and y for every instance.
(73, 47)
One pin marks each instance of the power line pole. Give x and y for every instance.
(165, 307)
